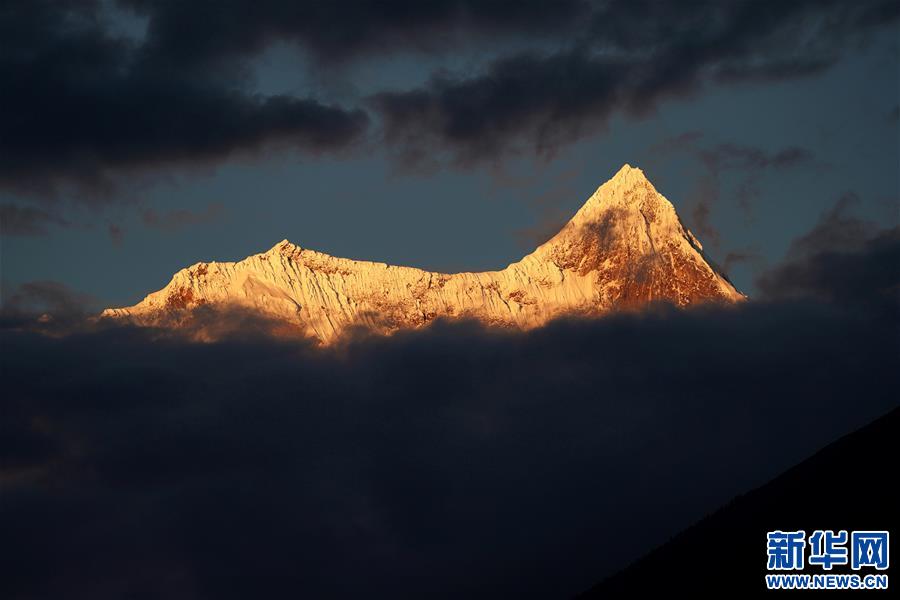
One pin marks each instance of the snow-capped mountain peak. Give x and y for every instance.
(624, 248)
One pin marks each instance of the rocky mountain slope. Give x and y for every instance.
(626, 247)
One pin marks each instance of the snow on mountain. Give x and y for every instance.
(626, 247)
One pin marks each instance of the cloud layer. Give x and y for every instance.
(633, 56)
(84, 103)
(28, 220)
(449, 462)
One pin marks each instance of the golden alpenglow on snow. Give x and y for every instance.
(626, 247)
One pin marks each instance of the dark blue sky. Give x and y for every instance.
(750, 160)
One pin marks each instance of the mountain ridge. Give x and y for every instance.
(624, 248)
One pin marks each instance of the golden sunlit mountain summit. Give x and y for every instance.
(625, 248)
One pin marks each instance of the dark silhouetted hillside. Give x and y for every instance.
(850, 484)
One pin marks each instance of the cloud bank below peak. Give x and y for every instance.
(462, 452)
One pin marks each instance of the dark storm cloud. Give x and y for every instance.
(843, 260)
(84, 104)
(841, 276)
(838, 230)
(179, 218)
(547, 99)
(344, 29)
(449, 462)
(80, 105)
(28, 220)
(634, 55)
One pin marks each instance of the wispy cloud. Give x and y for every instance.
(750, 162)
(182, 217)
(28, 220)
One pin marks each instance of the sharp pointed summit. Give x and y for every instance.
(627, 171)
(623, 249)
